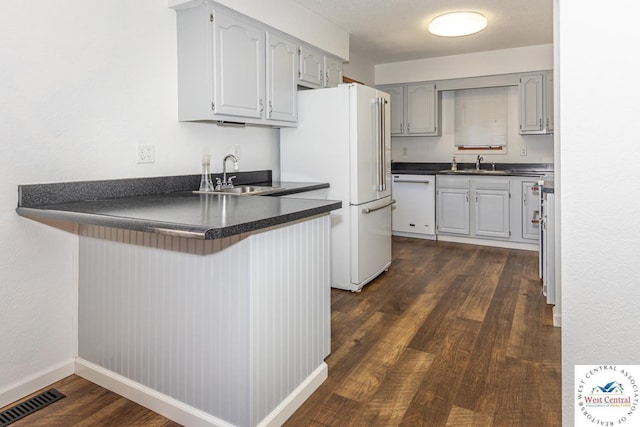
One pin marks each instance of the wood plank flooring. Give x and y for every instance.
(451, 335)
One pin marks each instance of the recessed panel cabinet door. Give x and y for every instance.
(453, 210)
(311, 67)
(396, 94)
(531, 97)
(238, 68)
(282, 69)
(332, 71)
(492, 213)
(421, 109)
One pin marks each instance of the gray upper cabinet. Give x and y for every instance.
(414, 109)
(311, 67)
(536, 103)
(318, 70)
(239, 67)
(282, 69)
(332, 71)
(232, 68)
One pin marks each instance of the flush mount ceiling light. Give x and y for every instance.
(456, 24)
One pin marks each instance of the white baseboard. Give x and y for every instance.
(291, 403)
(187, 415)
(149, 398)
(488, 242)
(35, 382)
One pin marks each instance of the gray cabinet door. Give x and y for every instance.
(530, 210)
(311, 68)
(421, 109)
(453, 210)
(492, 213)
(282, 74)
(238, 67)
(332, 71)
(531, 103)
(396, 96)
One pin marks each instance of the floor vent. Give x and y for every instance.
(28, 407)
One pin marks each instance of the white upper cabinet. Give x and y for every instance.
(239, 67)
(282, 67)
(318, 70)
(536, 103)
(232, 68)
(414, 109)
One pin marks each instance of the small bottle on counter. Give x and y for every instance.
(454, 164)
(205, 181)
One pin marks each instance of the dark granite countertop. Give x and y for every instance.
(163, 205)
(504, 169)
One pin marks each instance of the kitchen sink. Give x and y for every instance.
(243, 190)
(477, 171)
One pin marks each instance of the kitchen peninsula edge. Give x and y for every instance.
(212, 312)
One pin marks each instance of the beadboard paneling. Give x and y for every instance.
(230, 328)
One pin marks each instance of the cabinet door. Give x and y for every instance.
(421, 109)
(311, 68)
(453, 210)
(530, 210)
(396, 96)
(332, 71)
(548, 95)
(492, 213)
(282, 74)
(238, 67)
(531, 103)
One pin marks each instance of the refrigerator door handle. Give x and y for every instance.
(377, 208)
(382, 160)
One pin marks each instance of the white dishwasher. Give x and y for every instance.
(414, 213)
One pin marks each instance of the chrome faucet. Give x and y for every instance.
(478, 160)
(225, 183)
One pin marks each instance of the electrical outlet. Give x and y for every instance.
(404, 151)
(236, 151)
(145, 153)
(523, 150)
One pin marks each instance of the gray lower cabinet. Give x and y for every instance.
(488, 208)
(452, 201)
(530, 210)
(491, 208)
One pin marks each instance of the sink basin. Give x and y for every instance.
(243, 190)
(479, 172)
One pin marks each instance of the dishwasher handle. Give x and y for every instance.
(412, 181)
(367, 210)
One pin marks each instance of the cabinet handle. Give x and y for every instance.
(401, 125)
(270, 109)
(261, 107)
(408, 127)
(540, 122)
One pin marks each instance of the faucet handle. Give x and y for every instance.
(230, 180)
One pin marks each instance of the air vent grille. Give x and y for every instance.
(28, 407)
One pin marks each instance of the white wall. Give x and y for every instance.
(442, 148)
(599, 151)
(360, 69)
(505, 61)
(83, 82)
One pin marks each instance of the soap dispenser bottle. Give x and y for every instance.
(454, 164)
(206, 184)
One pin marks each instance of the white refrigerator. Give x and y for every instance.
(343, 138)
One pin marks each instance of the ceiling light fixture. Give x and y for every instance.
(456, 24)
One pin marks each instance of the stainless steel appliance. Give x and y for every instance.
(343, 137)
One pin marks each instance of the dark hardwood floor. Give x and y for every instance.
(451, 335)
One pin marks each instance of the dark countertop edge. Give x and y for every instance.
(517, 169)
(174, 229)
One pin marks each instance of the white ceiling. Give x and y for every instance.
(396, 30)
